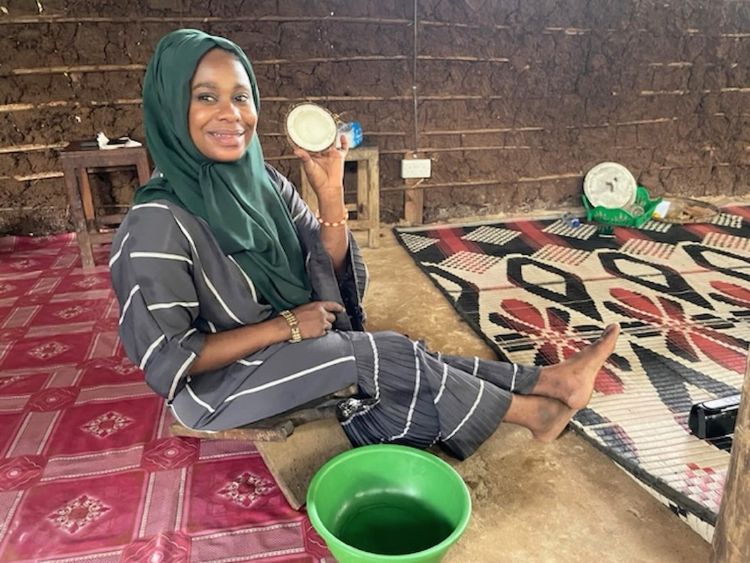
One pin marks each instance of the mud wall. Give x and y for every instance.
(515, 99)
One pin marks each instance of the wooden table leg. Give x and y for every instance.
(84, 188)
(77, 214)
(144, 172)
(373, 200)
(363, 192)
(306, 191)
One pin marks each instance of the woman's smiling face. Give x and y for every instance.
(222, 117)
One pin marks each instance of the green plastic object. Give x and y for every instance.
(622, 217)
(388, 503)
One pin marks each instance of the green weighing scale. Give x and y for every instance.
(613, 198)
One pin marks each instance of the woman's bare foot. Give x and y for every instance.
(545, 417)
(572, 380)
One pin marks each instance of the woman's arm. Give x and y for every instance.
(350, 281)
(325, 171)
(223, 348)
(334, 236)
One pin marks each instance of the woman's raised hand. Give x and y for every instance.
(325, 170)
(316, 318)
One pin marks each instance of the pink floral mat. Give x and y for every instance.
(88, 468)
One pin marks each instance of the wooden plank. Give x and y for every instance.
(413, 203)
(306, 191)
(102, 238)
(64, 69)
(277, 433)
(294, 462)
(731, 542)
(84, 187)
(362, 207)
(77, 214)
(184, 19)
(413, 197)
(373, 197)
(476, 183)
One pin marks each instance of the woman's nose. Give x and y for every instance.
(228, 110)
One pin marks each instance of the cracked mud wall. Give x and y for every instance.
(516, 99)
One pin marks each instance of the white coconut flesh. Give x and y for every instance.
(311, 127)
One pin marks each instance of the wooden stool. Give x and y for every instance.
(77, 159)
(367, 207)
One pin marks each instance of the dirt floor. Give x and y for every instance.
(560, 502)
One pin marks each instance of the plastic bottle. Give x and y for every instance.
(352, 130)
(571, 220)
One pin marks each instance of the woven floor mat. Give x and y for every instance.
(538, 291)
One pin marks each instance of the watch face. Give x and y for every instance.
(311, 127)
(610, 185)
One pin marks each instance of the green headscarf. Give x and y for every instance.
(237, 199)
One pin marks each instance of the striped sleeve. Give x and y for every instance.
(151, 267)
(352, 282)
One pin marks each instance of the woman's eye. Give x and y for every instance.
(205, 98)
(242, 98)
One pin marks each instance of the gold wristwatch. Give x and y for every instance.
(291, 320)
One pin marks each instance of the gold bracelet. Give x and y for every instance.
(293, 323)
(334, 223)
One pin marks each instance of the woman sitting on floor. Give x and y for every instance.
(240, 304)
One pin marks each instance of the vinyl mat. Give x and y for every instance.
(538, 291)
(88, 468)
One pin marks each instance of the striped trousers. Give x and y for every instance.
(411, 396)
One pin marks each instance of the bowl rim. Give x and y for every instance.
(328, 536)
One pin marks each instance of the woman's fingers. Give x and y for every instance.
(332, 306)
(324, 170)
(302, 154)
(317, 318)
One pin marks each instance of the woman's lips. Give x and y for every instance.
(227, 138)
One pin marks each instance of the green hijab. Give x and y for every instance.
(238, 200)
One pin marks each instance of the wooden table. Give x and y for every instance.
(77, 159)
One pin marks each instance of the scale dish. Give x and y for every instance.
(610, 185)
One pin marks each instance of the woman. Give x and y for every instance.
(240, 304)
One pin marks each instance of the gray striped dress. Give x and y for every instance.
(174, 285)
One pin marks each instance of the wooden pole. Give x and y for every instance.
(413, 203)
(731, 542)
(413, 197)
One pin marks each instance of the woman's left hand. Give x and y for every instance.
(325, 170)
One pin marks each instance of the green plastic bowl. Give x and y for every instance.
(388, 503)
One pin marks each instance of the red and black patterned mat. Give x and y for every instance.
(537, 291)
